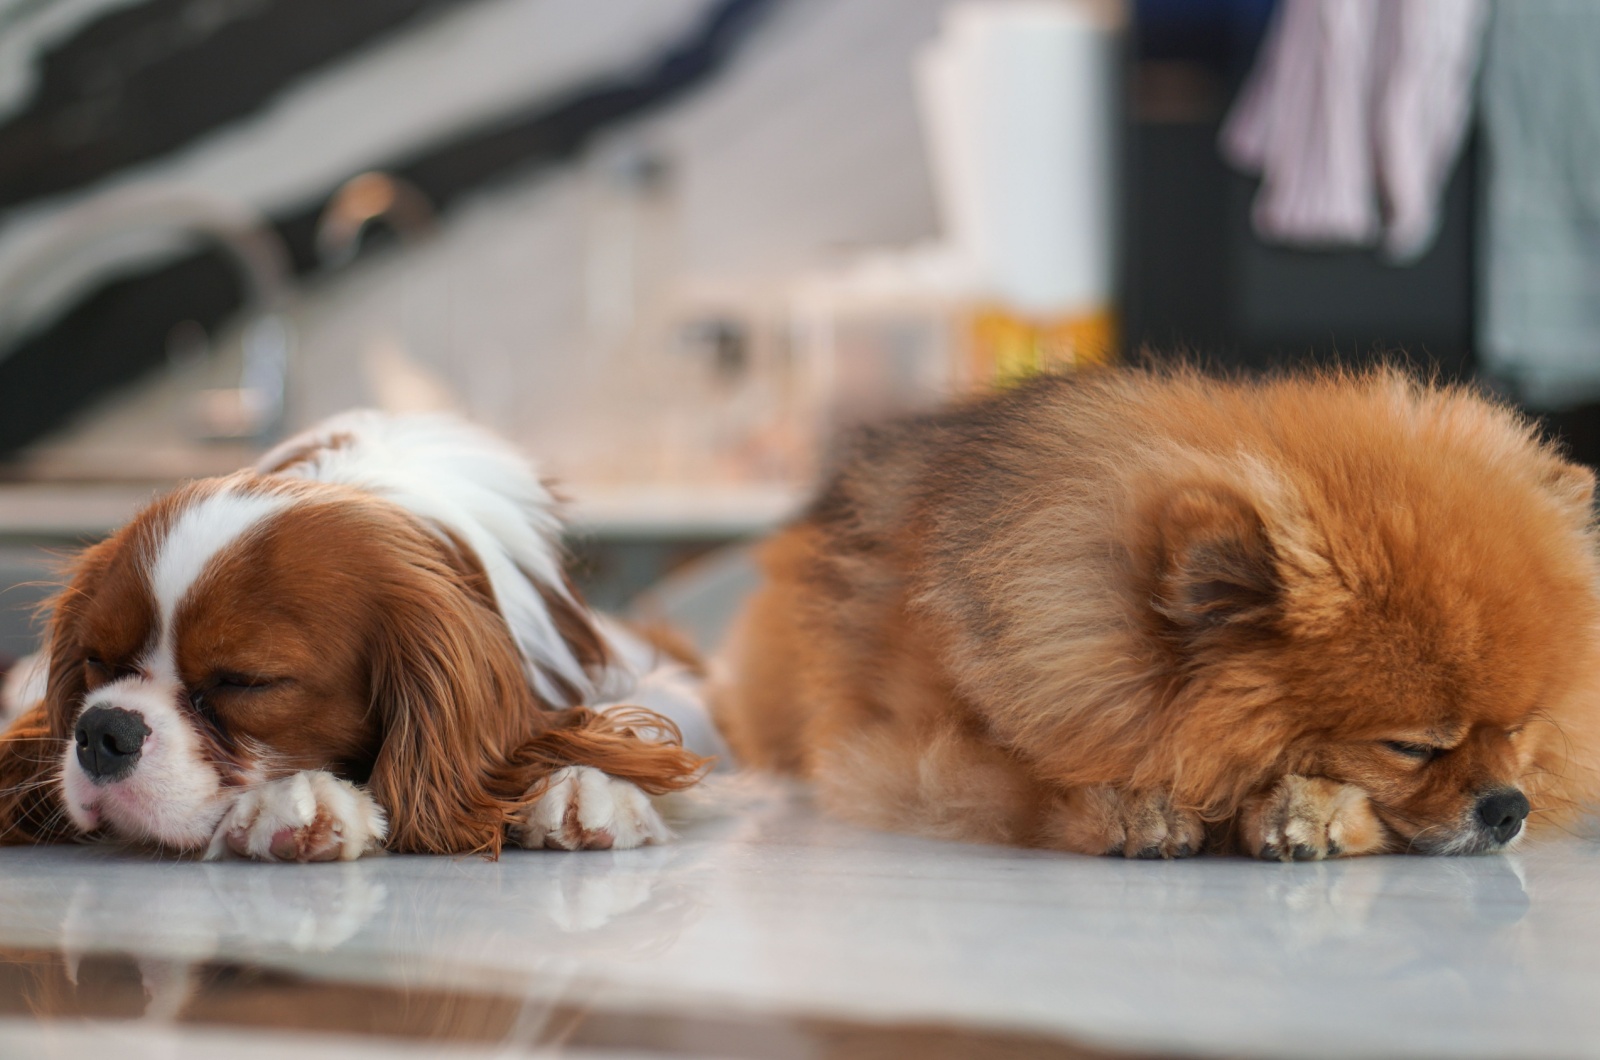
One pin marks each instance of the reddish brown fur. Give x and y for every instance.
(388, 664)
(1181, 590)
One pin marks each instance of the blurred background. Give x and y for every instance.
(672, 247)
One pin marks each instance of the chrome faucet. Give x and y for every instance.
(66, 250)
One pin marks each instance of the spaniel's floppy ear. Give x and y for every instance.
(1215, 564)
(466, 745)
(67, 685)
(30, 794)
(31, 748)
(452, 701)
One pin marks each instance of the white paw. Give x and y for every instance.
(310, 816)
(584, 809)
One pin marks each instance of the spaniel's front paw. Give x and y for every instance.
(1308, 819)
(582, 808)
(310, 816)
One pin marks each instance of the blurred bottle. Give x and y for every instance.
(1006, 346)
(1019, 102)
(632, 239)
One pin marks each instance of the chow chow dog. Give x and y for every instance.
(1155, 612)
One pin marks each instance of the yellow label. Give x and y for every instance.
(1007, 348)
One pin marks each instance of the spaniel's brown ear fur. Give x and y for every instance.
(31, 748)
(451, 699)
(63, 642)
(466, 744)
(630, 743)
(30, 789)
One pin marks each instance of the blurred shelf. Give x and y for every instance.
(85, 511)
(68, 512)
(723, 511)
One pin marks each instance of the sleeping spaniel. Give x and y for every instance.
(367, 641)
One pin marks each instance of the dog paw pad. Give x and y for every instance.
(1121, 824)
(582, 808)
(309, 816)
(1309, 819)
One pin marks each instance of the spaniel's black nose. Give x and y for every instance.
(1502, 812)
(109, 740)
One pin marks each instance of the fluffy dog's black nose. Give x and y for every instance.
(1502, 812)
(109, 739)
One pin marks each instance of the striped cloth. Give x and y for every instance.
(1539, 272)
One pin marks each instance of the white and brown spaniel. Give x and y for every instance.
(365, 642)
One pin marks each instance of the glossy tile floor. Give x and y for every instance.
(769, 931)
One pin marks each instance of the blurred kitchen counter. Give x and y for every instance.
(83, 512)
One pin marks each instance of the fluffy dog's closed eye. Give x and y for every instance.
(366, 641)
(1144, 613)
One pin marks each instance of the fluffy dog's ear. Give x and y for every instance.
(1573, 485)
(1216, 563)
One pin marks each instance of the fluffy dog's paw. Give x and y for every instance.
(1108, 821)
(582, 808)
(310, 816)
(1308, 819)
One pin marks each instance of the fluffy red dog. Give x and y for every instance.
(1146, 613)
(367, 641)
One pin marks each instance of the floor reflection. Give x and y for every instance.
(54, 988)
(207, 905)
(604, 902)
(770, 930)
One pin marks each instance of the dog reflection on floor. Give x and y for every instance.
(207, 942)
